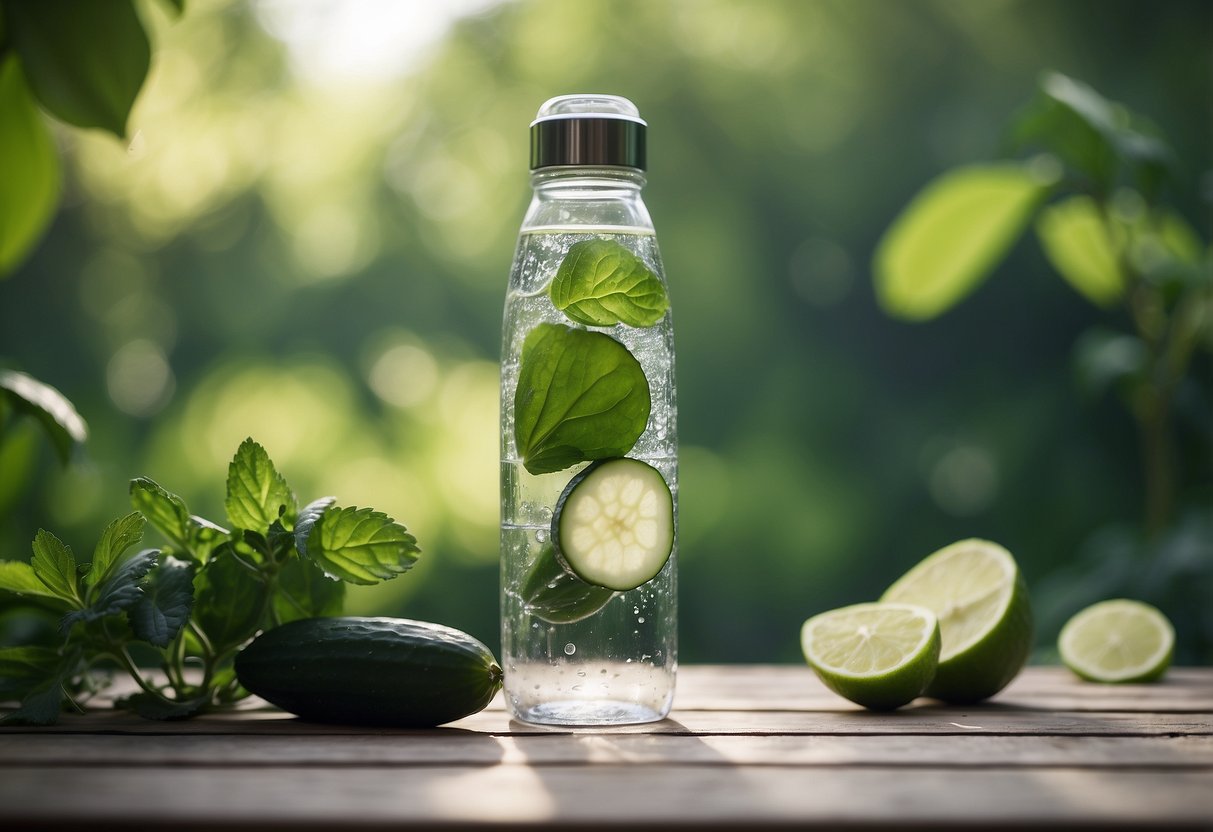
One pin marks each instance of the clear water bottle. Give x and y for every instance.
(589, 447)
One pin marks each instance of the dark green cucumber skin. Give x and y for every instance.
(556, 595)
(370, 671)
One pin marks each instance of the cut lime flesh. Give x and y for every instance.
(880, 656)
(976, 590)
(1118, 641)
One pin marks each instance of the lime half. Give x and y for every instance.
(880, 656)
(1118, 641)
(976, 590)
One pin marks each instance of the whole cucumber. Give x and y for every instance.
(370, 671)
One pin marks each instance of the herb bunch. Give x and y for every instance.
(194, 602)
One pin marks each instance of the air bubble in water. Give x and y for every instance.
(570, 649)
(541, 535)
(640, 620)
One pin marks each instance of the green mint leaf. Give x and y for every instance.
(304, 591)
(55, 566)
(581, 396)
(601, 283)
(257, 495)
(229, 599)
(205, 537)
(1083, 248)
(153, 707)
(360, 546)
(119, 535)
(85, 59)
(53, 411)
(307, 518)
(118, 591)
(19, 577)
(29, 192)
(25, 669)
(165, 510)
(168, 596)
(951, 236)
(553, 594)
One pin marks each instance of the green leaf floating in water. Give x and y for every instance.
(601, 283)
(555, 595)
(581, 396)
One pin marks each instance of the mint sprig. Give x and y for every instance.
(199, 599)
(601, 283)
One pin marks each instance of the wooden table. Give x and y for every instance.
(745, 747)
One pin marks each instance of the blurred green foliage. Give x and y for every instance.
(321, 264)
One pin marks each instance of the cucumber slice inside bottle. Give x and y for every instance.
(614, 524)
(557, 596)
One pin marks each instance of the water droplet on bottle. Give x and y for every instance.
(635, 610)
(570, 649)
(640, 620)
(603, 671)
(581, 673)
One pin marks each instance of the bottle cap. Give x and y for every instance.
(589, 131)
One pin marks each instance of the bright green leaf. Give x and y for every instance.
(119, 591)
(29, 187)
(168, 596)
(118, 536)
(307, 518)
(229, 600)
(951, 236)
(257, 495)
(601, 283)
(165, 510)
(581, 396)
(1081, 247)
(51, 408)
(85, 59)
(19, 577)
(304, 591)
(55, 566)
(360, 545)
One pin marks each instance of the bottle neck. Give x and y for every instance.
(577, 196)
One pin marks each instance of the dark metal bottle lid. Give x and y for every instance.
(588, 131)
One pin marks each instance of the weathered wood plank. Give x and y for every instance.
(690, 796)
(940, 720)
(469, 749)
(795, 687)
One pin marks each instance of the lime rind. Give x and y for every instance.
(1118, 642)
(976, 589)
(881, 656)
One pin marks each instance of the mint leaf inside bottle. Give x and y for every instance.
(601, 283)
(581, 396)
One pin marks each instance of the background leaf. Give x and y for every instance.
(360, 545)
(85, 59)
(23, 669)
(168, 596)
(951, 236)
(54, 412)
(40, 707)
(256, 492)
(29, 191)
(116, 538)
(55, 566)
(1079, 245)
(304, 591)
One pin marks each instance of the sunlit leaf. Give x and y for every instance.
(360, 545)
(1081, 246)
(19, 577)
(165, 510)
(257, 495)
(953, 233)
(55, 566)
(51, 408)
(29, 187)
(118, 536)
(85, 59)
